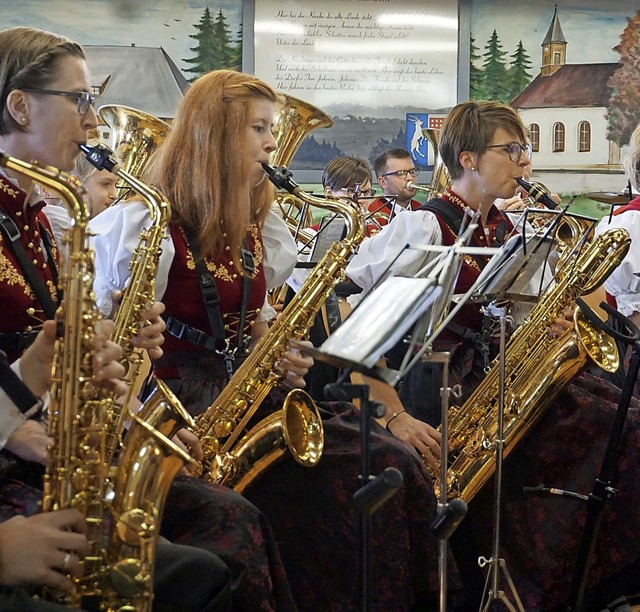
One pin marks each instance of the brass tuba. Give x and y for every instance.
(133, 135)
(295, 120)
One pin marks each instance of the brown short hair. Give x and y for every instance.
(345, 171)
(380, 163)
(29, 59)
(470, 126)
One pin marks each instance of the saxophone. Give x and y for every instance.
(139, 294)
(234, 457)
(148, 460)
(146, 468)
(537, 367)
(75, 472)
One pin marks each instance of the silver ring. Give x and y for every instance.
(66, 562)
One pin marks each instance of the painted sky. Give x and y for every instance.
(591, 27)
(147, 23)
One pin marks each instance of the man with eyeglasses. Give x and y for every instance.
(395, 170)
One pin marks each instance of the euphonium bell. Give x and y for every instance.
(294, 120)
(440, 179)
(134, 136)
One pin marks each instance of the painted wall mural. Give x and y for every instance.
(569, 69)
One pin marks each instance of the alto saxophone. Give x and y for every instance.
(148, 460)
(537, 367)
(75, 473)
(139, 294)
(237, 457)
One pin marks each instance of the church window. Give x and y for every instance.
(584, 136)
(558, 137)
(534, 135)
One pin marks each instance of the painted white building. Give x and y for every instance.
(565, 109)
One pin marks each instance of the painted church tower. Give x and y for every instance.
(554, 48)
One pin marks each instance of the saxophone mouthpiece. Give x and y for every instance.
(100, 157)
(281, 177)
(539, 193)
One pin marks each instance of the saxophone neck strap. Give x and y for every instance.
(12, 234)
(28, 404)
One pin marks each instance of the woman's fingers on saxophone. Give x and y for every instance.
(107, 368)
(562, 323)
(295, 365)
(151, 333)
(189, 442)
(424, 438)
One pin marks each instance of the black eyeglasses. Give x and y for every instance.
(83, 98)
(514, 150)
(403, 173)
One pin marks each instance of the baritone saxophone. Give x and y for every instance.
(537, 367)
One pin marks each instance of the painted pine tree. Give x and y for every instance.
(624, 105)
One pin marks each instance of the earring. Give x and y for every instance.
(24, 120)
(473, 168)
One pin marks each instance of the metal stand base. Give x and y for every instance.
(495, 593)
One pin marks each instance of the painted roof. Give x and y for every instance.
(584, 85)
(145, 78)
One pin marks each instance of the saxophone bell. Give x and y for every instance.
(296, 427)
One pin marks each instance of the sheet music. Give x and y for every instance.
(382, 319)
(332, 229)
(515, 272)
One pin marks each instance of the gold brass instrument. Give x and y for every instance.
(233, 455)
(229, 451)
(75, 472)
(295, 119)
(537, 367)
(146, 468)
(135, 135)
(148, 460)
(440, 178)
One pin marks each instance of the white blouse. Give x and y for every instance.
(378, 252)
(116, 233)
(623, 284)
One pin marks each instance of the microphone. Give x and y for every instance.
(378, 490)
(539, 193)
(449, 518)
(100, 157)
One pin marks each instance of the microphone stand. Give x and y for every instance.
(496, 563)
(373, 491)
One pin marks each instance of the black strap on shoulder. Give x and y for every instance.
(209, 292)
(211, 298)
(12, 233)
(452, 215)
(17, 391)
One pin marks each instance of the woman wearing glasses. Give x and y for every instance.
(46, 113)
(485, 149)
